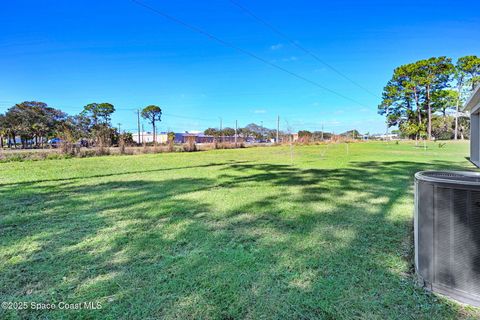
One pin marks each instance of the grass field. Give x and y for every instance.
(313, 232)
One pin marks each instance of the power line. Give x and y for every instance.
(210, 121)
(188, 117)
(294, 43)
(239, 49)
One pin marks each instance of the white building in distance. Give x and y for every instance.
(147, 137)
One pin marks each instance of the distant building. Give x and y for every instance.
(147, 137)
(363, 136)
(198, 136)
(473, 105)
(387, 136)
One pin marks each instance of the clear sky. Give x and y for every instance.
(71, 53)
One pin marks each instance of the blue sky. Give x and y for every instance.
(71, 53)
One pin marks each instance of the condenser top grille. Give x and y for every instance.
(452, 177)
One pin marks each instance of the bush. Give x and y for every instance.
(31, 156)
(55, 156)
(102, 151)
(69, 148)
(228, 145)
(121, 145)
(445, 135)
(190, 146)
(87, 153)
(170, 146)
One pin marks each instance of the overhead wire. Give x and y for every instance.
(300, 47)
(241, 50)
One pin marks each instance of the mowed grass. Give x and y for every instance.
(313, 232)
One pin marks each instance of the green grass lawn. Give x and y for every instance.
(314, 232)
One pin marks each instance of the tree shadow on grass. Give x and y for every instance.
(55, 252)
(302, 243)
(359, 224)
(116, 174)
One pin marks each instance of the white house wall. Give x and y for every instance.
(475, 138)
(148, 137)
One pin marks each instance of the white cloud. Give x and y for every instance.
(259, 111)
(289, 59)
(319, 70)
(277, 46)
(333, 123)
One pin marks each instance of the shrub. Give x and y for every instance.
(121, 145)
(102, 151)
(54, 156)
(68, 148)
(189, 147)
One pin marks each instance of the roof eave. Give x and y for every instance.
(473, 101)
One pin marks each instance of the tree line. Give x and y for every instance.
(423, 98)
(34, 123)
(259, 132)
(251, 130)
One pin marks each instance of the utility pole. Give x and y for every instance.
(322, 131)
(119, 126)
(221, 129)
(278, 129)
(261, 129)
(138, 125)
(236, 128)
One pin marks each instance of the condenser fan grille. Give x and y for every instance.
(447, 233)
